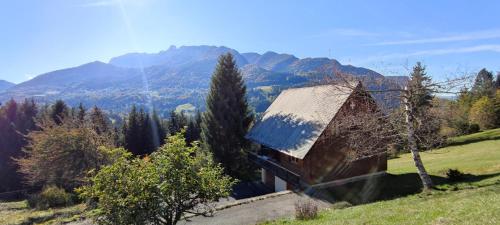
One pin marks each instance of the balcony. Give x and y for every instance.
(278, 170)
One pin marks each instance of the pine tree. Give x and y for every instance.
(132, 133)
(417, 99)
(81, 113)
(59, 112)
(419, 82)
(177, 122)
(497, 81)
(227, 118)
(123, 134)
(160, 134)
(16, 121)
(10, 146)
(483, 85)
(98, 120)
(193, 130)
(146, 133)
(27, 115)
(11, 110)
(426, 124)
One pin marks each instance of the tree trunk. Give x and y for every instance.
(412, 143)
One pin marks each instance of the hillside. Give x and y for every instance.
(4, 85)
(475, 200)
(180, 76)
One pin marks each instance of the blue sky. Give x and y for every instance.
(450, 37)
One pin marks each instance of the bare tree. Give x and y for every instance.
(371, 130)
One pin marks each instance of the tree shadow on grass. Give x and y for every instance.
(388, 187)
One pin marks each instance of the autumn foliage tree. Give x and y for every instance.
(61, 153)
(483, 113)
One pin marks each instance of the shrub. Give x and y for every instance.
(454, 175)
(305, 210)
(50, 197)
(482, 112)
(393, 151)
(63, 154)
(341, 205)
(474, 128)
(464, 127)
(159, 189)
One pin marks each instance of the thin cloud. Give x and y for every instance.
(434, 52)
(480, 35)
(345, 32)
(109, 3)
(102, 3)
(353, 32)
(478, 48)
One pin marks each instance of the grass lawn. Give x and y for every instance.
(396, 199)
(19, 213)
(393, 199)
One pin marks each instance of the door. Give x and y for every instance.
(279, 184)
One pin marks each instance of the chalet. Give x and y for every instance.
(299, 144)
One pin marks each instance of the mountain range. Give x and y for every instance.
(4, 85)
(178, 78)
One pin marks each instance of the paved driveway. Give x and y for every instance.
(256, 212)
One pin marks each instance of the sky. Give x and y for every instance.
(450, 37)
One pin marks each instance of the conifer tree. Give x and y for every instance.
(59, 111)
(160, 134)
(419, 82)
(122, 142)
(483, 85)
(146, 144)
(193, 130)
(27, 115)
(177, 122)
(10, 146)
(426, 125)
(497, 81)
(16, 121)
(98, 120)
(132, 133)
(417, 99)
(227, 118)
(81, 113)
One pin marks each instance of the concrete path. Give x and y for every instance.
(256, 212)
(249, 211)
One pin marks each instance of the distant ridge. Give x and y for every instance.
(179, 76)
(4, 85)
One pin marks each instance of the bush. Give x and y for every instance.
(305, 210)
(159, 189)
(393, 151)
(341, 205)
(466, 128)
(63, 154)
(50, 197)
(454, 175)
(482, 112)
(474, 128)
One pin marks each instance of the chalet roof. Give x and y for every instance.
(297, 118)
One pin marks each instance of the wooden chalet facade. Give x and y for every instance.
(299, 142)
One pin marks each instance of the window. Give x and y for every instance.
(293, 160)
